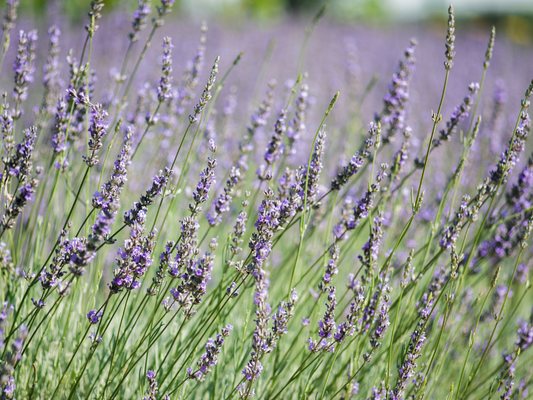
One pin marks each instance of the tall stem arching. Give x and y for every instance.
(175, 191)
(303, 224)
(507, 166)
(137, 64)
(471, 340)
(148, 124)
(157, 23)
(132, 76)
(122, 72)
(218, 89)
(88, 40)
(416, 203)
(436, 117)
(337, 350)
(36, 278)
(88, 94)
(308, 32)
(471, 133)
(498, 320)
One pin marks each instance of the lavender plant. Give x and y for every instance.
(383, 256)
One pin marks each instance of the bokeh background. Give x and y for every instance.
(511, 15)
(356, 42)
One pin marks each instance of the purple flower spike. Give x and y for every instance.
(164, 90)
(94, 316)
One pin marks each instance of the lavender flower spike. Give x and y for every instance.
(140, 18)
(97, 130)
(133, 260)
(18, 204)
(10, 16)
(284, 314)
(362, 208)
(83, 250)
(24, 67)
(222, 203)
(327, 326)
(450, 39)
(11, 359)
(164, 90)
(60, 127)
(138, 211)
(94, 16)
(187, 248)
(275, 146)
(112, 189)
(206, 95)
(210, 357)
(267, 223)
(94, 316)
(313, 169)
(194, 281)
(152, 390)
(239, 230)
(454, 229)
(459, 113)
(371, 248)
(297, 126)
(383, 321)
(396, 100)
(20, 165)
(162, 10)
(207, 179)
(407, 370)
(6, 126)
(331, 269)
(261, 341)
(349, 170)
(51, 78)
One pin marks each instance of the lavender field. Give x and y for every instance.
(306, 209)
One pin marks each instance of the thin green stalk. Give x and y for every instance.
(473, 375)
(329, 370)
(436, 119)
(303, 225)
(148, 125)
